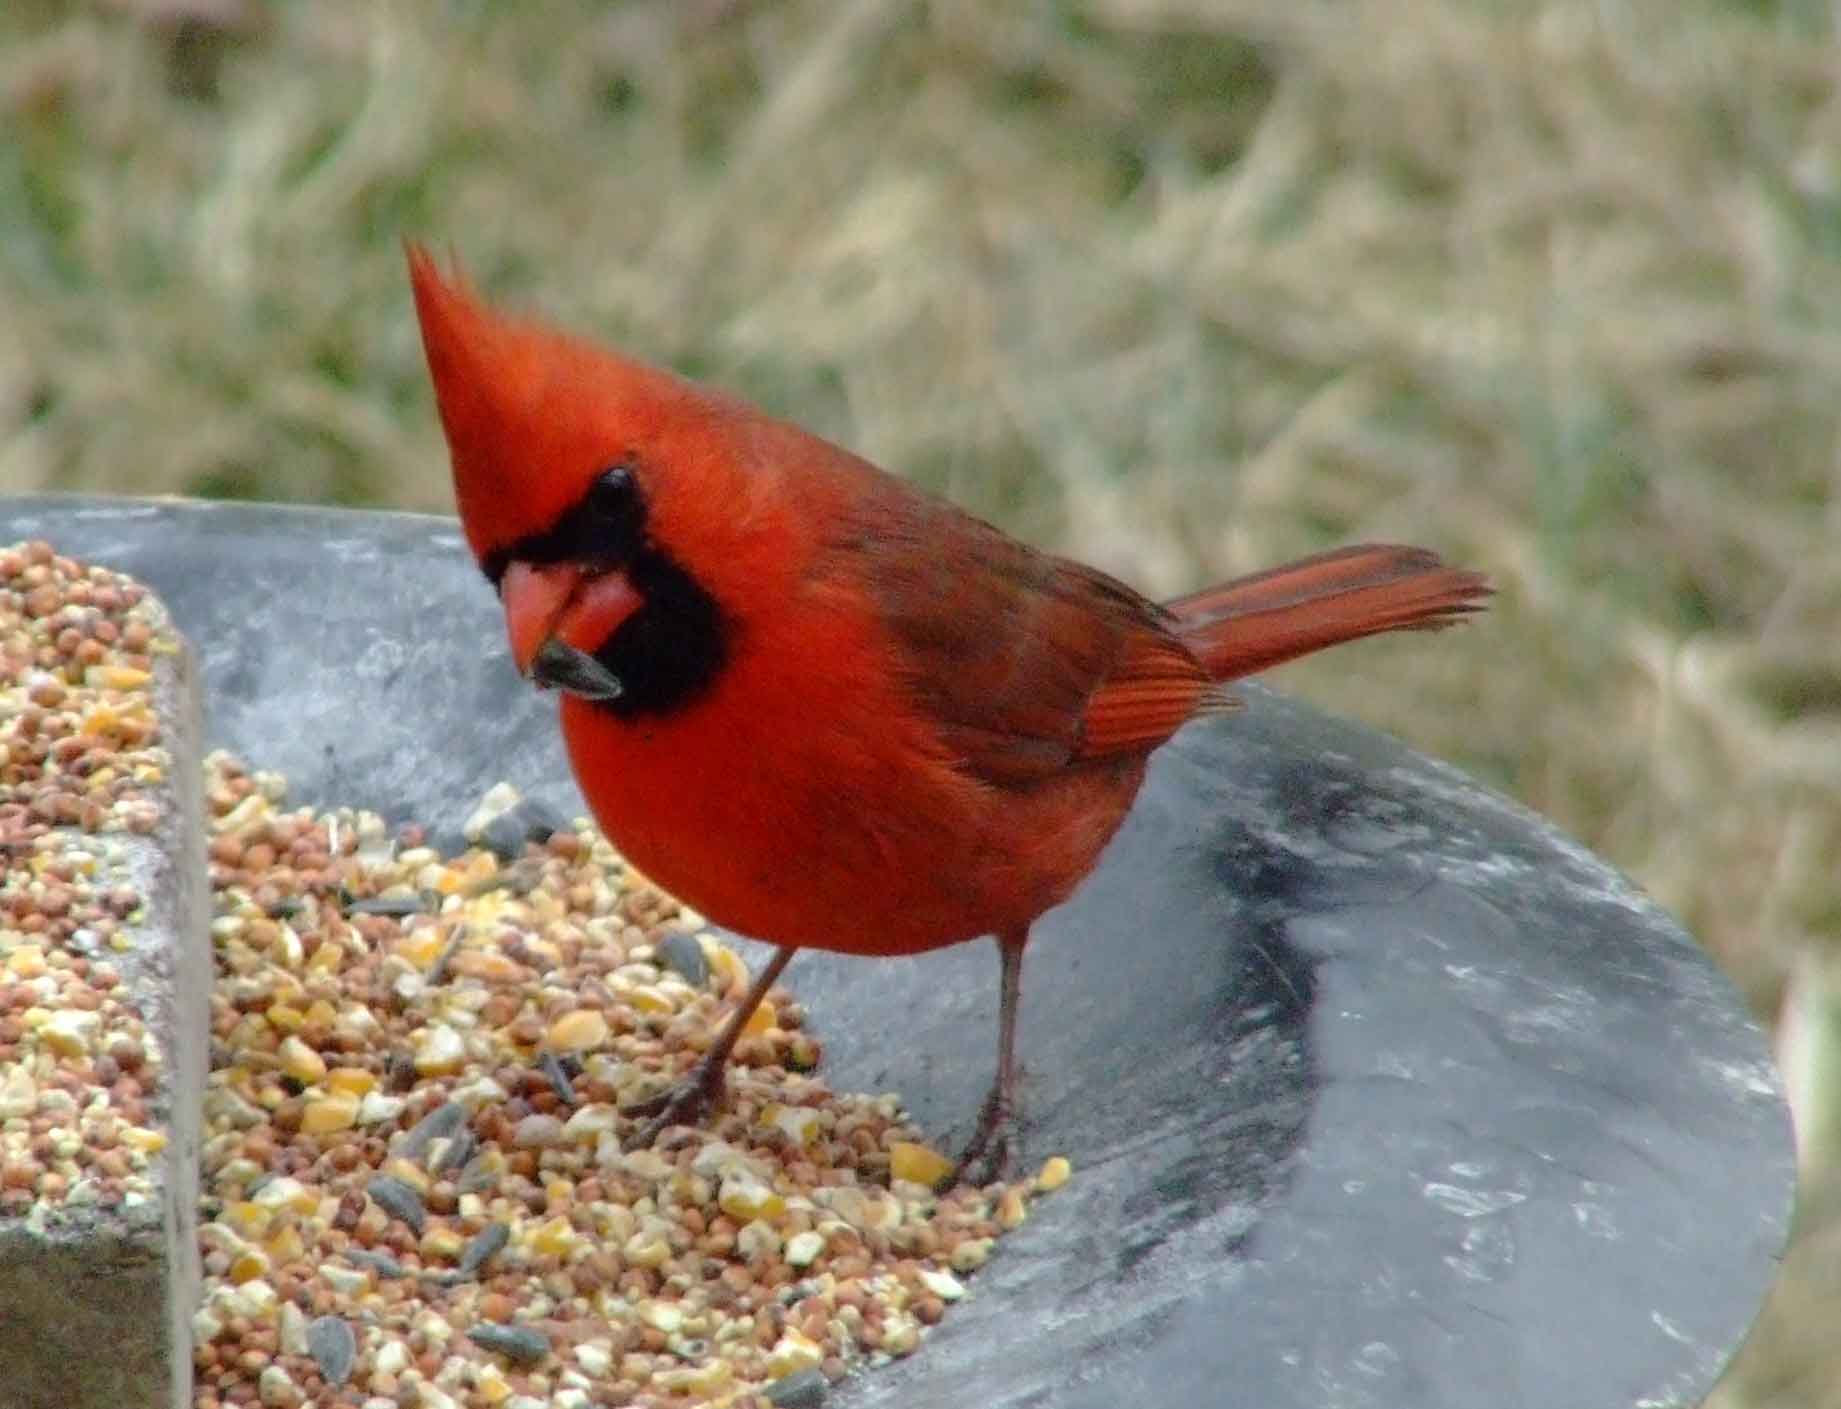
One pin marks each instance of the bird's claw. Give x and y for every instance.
(990, 1157)
(683, 1104)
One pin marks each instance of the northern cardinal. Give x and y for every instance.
(816, 704)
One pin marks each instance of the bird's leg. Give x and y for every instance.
(701, 1091)
(988, 1157)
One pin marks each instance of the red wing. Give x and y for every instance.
(1025, 663)
(1153, 689)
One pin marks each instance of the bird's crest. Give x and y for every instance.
(534, 416)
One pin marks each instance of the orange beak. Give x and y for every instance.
(558, 615)
(534, 599)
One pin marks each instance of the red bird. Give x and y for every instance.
(819, 706)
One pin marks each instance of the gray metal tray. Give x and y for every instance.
(1379, 1090)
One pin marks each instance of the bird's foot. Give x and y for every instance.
(990, 1156)
(686, 1103)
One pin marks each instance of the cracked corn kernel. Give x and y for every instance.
(595, 1357)
(148, 1142)
(329, 1114)
(666, 1316)
(900, 1335)
(1012, 1210)
(590, 1123)
(27, 961)
(970, 1255)
(646, 1248)
(745, 1197)
(488, 965)
(376, 1108)
(249, 1265)
(115, 677)
(757, 1239)
(648, 1165)
(391, 1358)
(1054, 1173)
(442, 1242)
(285, 1245)
(246, 1217)
(421, 947)
(439, 1051)
(556, 1239)
(802, 1249)
(70, 1032)
(300, 1061)
(18, 1092)
(799, 1123)
(104, 720)
(942, 1284)
(320, 1013)
(882, 1211)
(649, 998)
(729, 967)
(287, 1192)
(792, 1353)
(706, 1379)
(582, 1030)
(763, 1019)
(410, 1173)
(918, 1164)
(353, 1080)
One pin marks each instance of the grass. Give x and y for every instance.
(1178, 286)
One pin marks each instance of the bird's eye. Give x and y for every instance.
(613, 497)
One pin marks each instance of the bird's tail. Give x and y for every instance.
(1243, 626)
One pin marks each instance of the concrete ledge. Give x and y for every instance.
(104, 991)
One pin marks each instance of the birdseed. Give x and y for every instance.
(418, 1187)
(81, 1075)
(475, 1217)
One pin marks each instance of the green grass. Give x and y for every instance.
(1179, 287)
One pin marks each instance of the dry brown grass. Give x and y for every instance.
(1180, 286)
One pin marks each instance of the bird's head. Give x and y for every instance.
(587, 483)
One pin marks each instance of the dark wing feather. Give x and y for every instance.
(1154, 688)
(1027, 663)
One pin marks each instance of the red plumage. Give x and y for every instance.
(850, 716)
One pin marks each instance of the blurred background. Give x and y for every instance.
(1181, 287)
